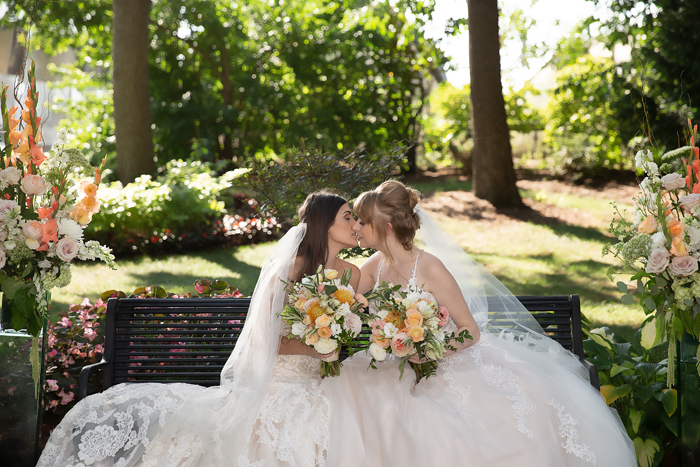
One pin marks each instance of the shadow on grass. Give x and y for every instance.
(557, 226)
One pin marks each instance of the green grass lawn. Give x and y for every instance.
(530, 258)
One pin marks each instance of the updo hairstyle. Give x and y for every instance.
(391, 202)
(318, 212)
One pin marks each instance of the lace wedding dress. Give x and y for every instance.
(496, 403)
(269, 410)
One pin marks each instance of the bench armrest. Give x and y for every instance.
(85, 375)
(592, 373)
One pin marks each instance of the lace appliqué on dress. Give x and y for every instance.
(503, 377)
(460, 394)
(294, 420)
(243, 461)
(567, 430)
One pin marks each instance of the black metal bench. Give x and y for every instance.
(189, 339)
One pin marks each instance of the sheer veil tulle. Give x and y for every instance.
(216, 413)
(494, 307)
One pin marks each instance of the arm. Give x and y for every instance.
(296, 347)
(444, 287)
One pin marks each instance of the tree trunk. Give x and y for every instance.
(494, 176)
(132, 106)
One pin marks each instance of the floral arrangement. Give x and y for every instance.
(46, 202)
(661, 245)
(322, 311)
(408, 323)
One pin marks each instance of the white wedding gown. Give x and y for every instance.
(493, 404)
(124, 426)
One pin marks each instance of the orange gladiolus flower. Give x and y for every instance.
(27, 117)
(90, 189)
(15, 137)
(81, 215)
(36, 153)
(50, 231)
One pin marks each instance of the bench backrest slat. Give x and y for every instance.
(189, 340)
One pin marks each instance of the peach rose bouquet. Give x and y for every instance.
(407, 323)
(324, 312)
(46, 200)
(660, 246)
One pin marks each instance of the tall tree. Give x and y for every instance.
(494, 175)
(132, 107)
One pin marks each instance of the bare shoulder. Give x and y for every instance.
(373, 261)
(431, 264)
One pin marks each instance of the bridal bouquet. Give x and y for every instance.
(661, 245)
(46, 200)
(322, 311)
(408, 323)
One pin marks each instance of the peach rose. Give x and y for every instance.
(678, 247)
(300, 303)
(33, 230)
(647, 226)
(324, 331)
(415, 333)
(311, 339)
(67, 249)
(323, 321)
(675, 228)
(413, 318)
(443, 316)
(683, 266)
(383, 342)
(399, 346)
(330, 273)
(33, 185)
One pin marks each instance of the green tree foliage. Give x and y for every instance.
(663, 78)
(233, 80)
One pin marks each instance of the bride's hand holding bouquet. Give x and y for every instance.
(322, 311)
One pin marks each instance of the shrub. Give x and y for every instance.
(184, 208)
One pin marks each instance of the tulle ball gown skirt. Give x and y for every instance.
(493, 404)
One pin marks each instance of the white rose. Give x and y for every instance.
(657, 262)
(298, 329)
(673, 181)
(407, 302)
(336, 329)
(70, 228)
(325, 346)
(382, 313)
(690, 201)
(11, 175)
(67, 249)
(378, 353)
(683, 266)
(390, 330)
(33, 185)
(3, 258)
(353, 323)
(425, 310)
(6, 205)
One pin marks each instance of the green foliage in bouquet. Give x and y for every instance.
(633, 381)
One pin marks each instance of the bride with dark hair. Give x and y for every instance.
(270, 408)
(508, 396)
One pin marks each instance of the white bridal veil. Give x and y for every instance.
(223, 417)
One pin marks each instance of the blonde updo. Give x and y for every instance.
(392, 202)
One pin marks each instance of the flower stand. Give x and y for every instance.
(20, 410)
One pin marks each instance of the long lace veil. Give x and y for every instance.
(494, 307)
(224, 416)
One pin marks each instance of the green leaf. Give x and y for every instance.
(613, 393)
(669, 399)
(10, 286)
(636, 417)
(687, 302)
(616, 370)
(649, 451)
(24, 303)
(650, 304)
(648, 334)
(18, 320)
(661, 282)
(622, 287)
(627, 299)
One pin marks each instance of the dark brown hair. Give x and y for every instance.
(391, 202)
(318, 211)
